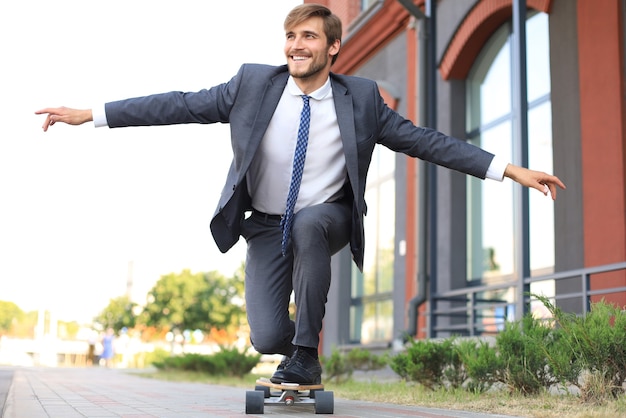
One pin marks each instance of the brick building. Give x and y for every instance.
(446, 254)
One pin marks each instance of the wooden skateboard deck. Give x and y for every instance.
(288, 394)
(287, 386)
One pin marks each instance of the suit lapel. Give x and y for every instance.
(269, 102)
(345, 119)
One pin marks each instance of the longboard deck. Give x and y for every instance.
(287, 386)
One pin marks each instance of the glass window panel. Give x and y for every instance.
(371, 241)
(490, 213)
(368, 323)
(492, 317)
(543, 288)
(496, 87)
(385, 321)
(490, 78)
(357, 283)
(541, 209)
(372, 308)
(365, 4)
(537, 56)
(377, 322)
(356, 319)
(491, 206)
(386, 235)
(386, 162)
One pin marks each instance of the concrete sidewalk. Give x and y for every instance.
(99, 392)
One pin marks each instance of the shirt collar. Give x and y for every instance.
(319, 94)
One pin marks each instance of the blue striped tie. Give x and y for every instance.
(296, 174)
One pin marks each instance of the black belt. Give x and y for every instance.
(267, 217)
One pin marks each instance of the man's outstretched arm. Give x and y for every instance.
(65, 115)
(534, 179)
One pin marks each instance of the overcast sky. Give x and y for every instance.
(79, 205)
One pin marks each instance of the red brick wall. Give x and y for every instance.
(603, 132)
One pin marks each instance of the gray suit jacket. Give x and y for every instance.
(247, 102)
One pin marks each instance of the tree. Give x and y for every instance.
(118, 314)
(194, 301)
(10, 315)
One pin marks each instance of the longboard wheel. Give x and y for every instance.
(312, 392)
(324, 402)
(254, 401)
(264, 389)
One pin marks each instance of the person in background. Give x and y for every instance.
(108, 351)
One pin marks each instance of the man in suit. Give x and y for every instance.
(295, 211)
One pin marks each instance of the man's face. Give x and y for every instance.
(307, 51)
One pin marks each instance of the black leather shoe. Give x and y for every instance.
(281, 366)
(302, 369)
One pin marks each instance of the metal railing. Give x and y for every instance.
(467, 305)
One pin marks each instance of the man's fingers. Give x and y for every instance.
(53, 115)
(46, 123)
(549, 185)
(49, 121)
(552, 188)
(543, 188)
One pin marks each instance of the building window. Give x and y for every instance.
(371, 310)
(366, 4)
(491, 212)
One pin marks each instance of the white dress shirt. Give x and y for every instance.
(324, 167)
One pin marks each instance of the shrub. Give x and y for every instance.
(454, 371)
(482, 364)
(227, 361)
(336, 366)
(530, 355)
(341, 366)
(422, 362)
(595, 347)
(364, 360)
(156, 357)
(236, 363)
(524, 347)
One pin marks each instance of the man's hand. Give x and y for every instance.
(534, 179)
(65, 115)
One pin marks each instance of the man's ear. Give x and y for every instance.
(334, 48)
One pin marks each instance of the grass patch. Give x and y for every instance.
(406, 393)
(541, 406)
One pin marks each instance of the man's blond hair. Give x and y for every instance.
(332, 23)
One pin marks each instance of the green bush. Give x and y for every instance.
(529, 356)
(155, 357)
(424, 361)
(227, 362)
(336, 366)
(594, 357)
(454, 371)
(524, 348)
(237, 363)
(482, 364)
(341, 366)
(361, 359)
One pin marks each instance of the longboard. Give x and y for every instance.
(288, 394)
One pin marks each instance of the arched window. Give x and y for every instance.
(492, 209)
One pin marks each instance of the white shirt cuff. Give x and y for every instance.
(99, 116)
(496, 168)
